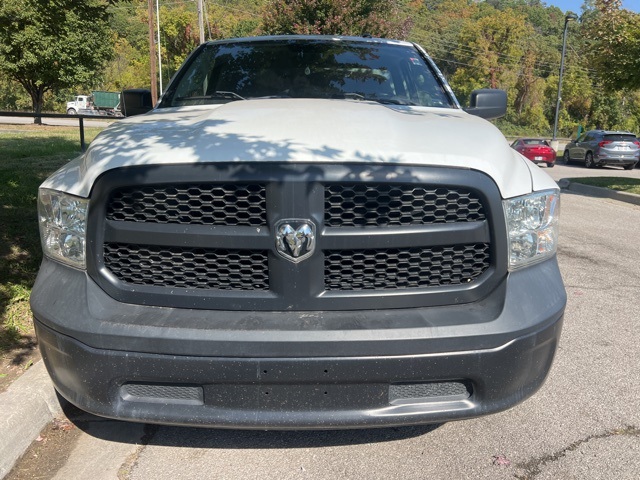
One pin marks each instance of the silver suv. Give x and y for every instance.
(601, 147)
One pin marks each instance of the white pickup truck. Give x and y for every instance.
(306, 232)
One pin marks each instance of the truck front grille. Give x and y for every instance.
(190, 204)
(404, 268)
(412, 391)
(188, 267)
(204, 236)
(383, 204)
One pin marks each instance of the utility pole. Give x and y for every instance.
(152, 57)
(159, 48)
(570, 16)
(201, 20)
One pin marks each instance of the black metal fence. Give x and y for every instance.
(80, 119)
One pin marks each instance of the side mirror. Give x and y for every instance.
(135, 101)
(487, 103)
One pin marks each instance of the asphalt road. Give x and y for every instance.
(575, 170)
(583, 424)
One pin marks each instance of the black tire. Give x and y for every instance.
(629, 167)
(71, 111)
(566, 157)
(550, 165)
(588, 160)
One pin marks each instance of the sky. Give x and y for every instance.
(574, 5)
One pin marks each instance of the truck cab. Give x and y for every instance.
(80, 102)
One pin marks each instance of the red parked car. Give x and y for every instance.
(536, 149)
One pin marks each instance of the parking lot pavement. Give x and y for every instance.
(574, 171)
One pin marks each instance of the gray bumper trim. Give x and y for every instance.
(69, 302)
(298, 393)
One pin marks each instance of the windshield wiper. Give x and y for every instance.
(350, 96)
(267, 97)
(374, 98)
(214, 95)
(392, 101)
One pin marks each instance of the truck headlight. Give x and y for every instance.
(63, 221)
(532, 225)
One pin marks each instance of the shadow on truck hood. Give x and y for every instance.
(304, 131)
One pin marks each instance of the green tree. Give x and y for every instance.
(490, 50)
(438, 23)
(179, 36)
(12, 95)
(516, 45)
(234, 18)
(615, 110)
(380, 18)
(128, 67)
(615, 33)
(46, 45)
(528, 105)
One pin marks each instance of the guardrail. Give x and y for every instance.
(80, 119)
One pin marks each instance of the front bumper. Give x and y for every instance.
(299, 369)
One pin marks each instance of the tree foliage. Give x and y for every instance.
(489, 46)
(615, 52)
(510, 44)
(180, 34)
(48, 45)
(516, 45)
(380, 18)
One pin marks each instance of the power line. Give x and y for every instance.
(143, 7)
(235, 9)
(443, 45)
(541, 67)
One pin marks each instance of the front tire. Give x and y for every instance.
(629, 166)
(566, 157)
(71, 111)
(588, 160)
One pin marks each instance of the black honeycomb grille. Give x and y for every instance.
(165, 392)
(188, 267)
(405, 268)
(429, 390)
(194, 204)
(378, 205)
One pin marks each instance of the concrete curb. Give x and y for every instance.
(600, 192)
(26, 407)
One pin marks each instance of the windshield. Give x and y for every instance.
(295, 68)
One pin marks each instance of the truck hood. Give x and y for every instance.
(304, 131)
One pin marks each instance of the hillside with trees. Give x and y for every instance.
(510, 44)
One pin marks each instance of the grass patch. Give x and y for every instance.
(28, 155)
(31, 141)
(621, 184)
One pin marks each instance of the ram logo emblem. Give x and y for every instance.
(295, 239)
